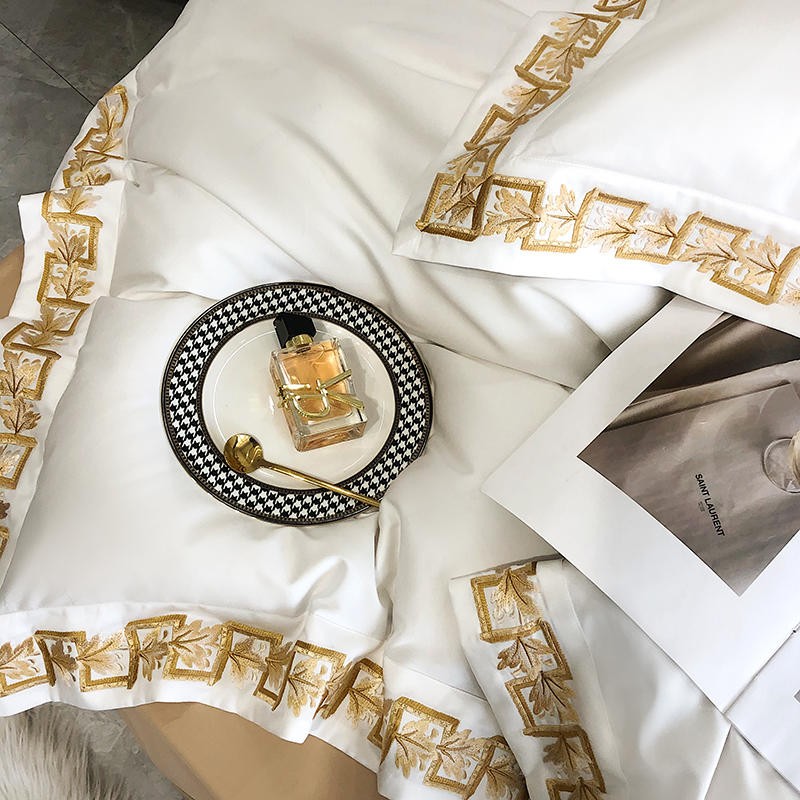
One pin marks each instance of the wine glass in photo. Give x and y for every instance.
(781, 462)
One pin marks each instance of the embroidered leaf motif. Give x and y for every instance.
(84, 169)
(63, 660)
(72, 282)
(469, 162)
(568, 755)
(513, 594)
(415, 746)
(459, 200)
(362, 689)
(68, 246)
(504, 779)
(75, 199)
(18, 373)
(611, 230)
(152, 653)
(365, 699)
(578, 28)
(526, 656)
(758, 261)
(4, 506)
(560, 214)
(104, 139)
(551, 695)
(456, 750)
(50, 327)
(195, 646)
(712, 251)
(522, 97)
(663, 231)
(18, 663)
(573, 35)
(18, 415)
(585, 791)
(512, 216)
(247, 659)
(558, 63)
(305, 684)
(103, 656)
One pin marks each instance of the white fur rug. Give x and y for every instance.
(45, 756)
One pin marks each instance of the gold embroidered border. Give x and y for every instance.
(470, 200)
(509, 609)
(461, 193)
(524, 211)
(298, 675)
(101, 142)
(31, 348)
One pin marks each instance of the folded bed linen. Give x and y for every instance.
(589, 704)
(263, 142)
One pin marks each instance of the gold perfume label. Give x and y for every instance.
(295, 393)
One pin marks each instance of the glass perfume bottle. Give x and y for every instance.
(314, 385)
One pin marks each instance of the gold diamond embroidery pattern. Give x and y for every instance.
(458, 199)
(469, 200)
(31, 348)
(537, 677)
(421, 743)
(302, 676)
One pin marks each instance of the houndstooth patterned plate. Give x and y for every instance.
(188, 365)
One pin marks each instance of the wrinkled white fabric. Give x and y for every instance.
(648, 135)
(314, 132)
(654, 732)
(266, 142)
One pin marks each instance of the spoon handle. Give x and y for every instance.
(293, 473)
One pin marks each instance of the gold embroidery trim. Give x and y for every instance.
(470, 200)
(462, 191)
(31, 348)
(299, 675)
(539, 681)
(101, 142)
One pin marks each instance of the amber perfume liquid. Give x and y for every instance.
(316, 418)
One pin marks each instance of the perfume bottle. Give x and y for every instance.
(314, 386)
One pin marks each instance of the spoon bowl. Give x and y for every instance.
(243, 453)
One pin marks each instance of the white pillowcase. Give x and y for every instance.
(312, 137)
(648, 142)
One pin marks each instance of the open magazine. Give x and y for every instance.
(661, 479)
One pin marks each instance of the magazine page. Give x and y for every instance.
(667, 479)
(768, 712)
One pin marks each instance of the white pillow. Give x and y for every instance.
(311, 137)
(654, 144)
(129, 500)
(70, 240)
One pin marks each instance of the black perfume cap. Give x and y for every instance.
(287, 326)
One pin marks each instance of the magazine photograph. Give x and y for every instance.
(695, 448)
(677, 460)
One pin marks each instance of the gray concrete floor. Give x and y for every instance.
(57, 58)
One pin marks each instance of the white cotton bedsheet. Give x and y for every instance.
(264, 141)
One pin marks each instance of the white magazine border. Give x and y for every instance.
(720, 639)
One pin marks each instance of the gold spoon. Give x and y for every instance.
(243, 453)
